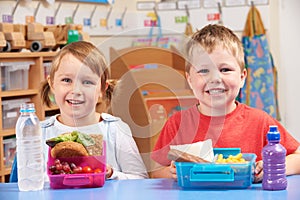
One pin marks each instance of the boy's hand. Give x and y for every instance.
(109, 171)
(172, 168)
(258, 172)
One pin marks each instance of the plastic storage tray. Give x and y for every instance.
(82, 180)
(10, 112)
(9, 146)
(14, 76)
(211, 175)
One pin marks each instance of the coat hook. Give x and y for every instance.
(122, 17)
(253, 17)
(107, 16)
(220, 12)
(155, 12)
(15, 8)
(187, 11)
(75, 11)
(92, 15)
(36, 10)
(57, 10)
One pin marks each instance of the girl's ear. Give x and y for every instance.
(106, 85)
(243, 77)
(49, 83)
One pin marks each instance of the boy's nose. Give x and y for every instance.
(215, 77)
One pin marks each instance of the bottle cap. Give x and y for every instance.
(273, 133)
(27, 107)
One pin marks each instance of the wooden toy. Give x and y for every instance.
(15, 41)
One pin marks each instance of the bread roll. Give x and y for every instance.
(68, 149)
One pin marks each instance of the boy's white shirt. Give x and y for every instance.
(121, 150)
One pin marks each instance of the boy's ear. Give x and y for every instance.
(243, 77)
(188, 78)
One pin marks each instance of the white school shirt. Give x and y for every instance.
(121, 150)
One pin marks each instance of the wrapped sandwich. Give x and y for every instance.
(75, 144)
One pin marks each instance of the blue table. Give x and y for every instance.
(152, 189)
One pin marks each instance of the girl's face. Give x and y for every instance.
(215, 79)
(77, 90)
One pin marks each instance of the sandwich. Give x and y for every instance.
(75, 144)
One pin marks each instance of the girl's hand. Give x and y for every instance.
(172, 169)
(109, 171)
(258, 172)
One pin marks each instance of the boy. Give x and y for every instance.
(215, 72)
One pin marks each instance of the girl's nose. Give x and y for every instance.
(77, 89)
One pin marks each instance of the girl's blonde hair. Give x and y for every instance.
(89, 55)
(213, 36)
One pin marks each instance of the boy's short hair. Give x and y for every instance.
(213, 36)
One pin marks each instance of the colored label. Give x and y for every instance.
(50, 20)
(118, 22)
(213, 16)
(181, 19)
(7, 18)
(29, 19)
(87, 22)
(103, 22)
(68, 20)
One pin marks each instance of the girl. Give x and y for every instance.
(77, 79)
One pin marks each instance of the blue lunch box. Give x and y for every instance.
(212, 175)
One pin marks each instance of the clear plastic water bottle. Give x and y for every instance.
(273, 154)
(29, 150)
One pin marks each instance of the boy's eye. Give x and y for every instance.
(225, 69)
(202, 71)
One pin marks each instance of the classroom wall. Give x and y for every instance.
(288, 63)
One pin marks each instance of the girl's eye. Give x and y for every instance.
(67, 80)
(88, 82)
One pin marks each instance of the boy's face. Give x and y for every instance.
(215, 79)
(76, 89)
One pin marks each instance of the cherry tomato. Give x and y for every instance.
(59, 166)
(87, 169)
(98, 170)
(77, 170)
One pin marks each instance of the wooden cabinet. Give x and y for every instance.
(151, 86)
(35, 77)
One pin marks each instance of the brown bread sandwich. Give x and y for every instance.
(75, 144)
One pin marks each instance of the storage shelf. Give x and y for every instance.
(35, 77)
(14, 93)
(7, 132)
(51, 108)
